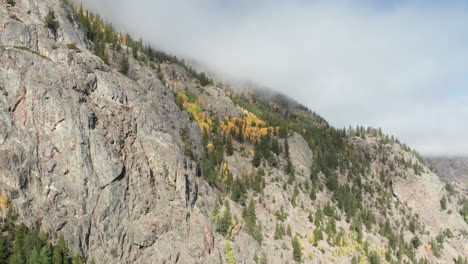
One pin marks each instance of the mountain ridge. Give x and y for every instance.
(135, 157)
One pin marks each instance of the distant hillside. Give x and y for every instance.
(450, 168)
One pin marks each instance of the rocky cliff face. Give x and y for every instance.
(99, 156)
(90, 153)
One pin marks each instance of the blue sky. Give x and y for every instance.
(399, 65)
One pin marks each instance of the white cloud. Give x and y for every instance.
(354, 62)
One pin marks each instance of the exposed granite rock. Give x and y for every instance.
(451, 168)
(215, 101)
(92, 154)
(301, 155)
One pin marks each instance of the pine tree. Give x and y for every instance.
(226, 219)
(135, 50)
(46, 255)
(3, 250)
(251, 216)
(313, 195)
(278, 232)
(238, 190)
(18, 255)
(297, 251)
(286, 149)
(124, 65)
(77, 259)
(60, 254)
(318, 217)
(229, 146)
(443, 203)
(318, 235)
(311, 218)
(275, 146)
(416, 242)
(257, 158)
(283, 132)
(34, 258)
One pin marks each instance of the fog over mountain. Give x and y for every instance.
(399, 65)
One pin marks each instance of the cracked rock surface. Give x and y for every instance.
(90, 153)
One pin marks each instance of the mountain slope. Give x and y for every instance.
(450, 169)
(135, 157)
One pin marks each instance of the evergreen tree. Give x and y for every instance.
(311, 218)
(124, 65)
(275, 146)
(17, 258)
(297, 251)
(279, 231)
(250, 216)
(331, 227)
(77, 259)
(135, 50)
(286, 149)
(318, 217)
(226, 219)
(46, 255)
(34, 258)
(3, 250)
(443, 203)
(238, 190)
(374, 258)
(257, 158)
(318, 234)
(60, 254)
(283, 132)
(416, 242)
(18, 255)
(328, 210)
(281, 214)
(313, 195)
(229, 146)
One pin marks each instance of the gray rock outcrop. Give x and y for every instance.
(91, 154)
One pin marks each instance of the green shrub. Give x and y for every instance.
(416, 242)
(443, 203)
(51, 22)
(72, 46)
(32, 51)
(229, 253)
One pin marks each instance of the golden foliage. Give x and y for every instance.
(233, 229)
(312, 238)
(196, 111)
(4, 205)
(252, 127)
